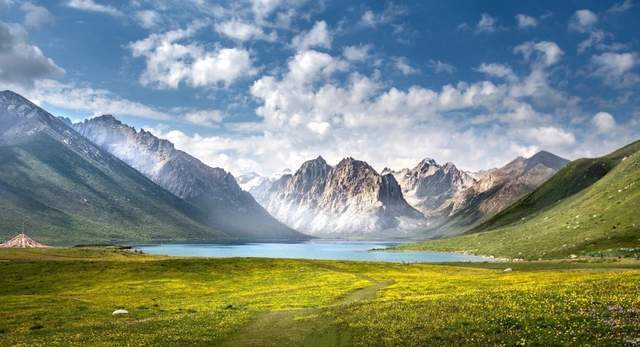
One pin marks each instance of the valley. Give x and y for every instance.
(319, 173)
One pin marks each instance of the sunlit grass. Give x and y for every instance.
(66, 297)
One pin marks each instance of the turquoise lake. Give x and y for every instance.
(315, 249)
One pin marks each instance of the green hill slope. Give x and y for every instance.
(64, 198)
(571, 179)
(560, 218)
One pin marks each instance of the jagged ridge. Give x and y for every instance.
(350, 199)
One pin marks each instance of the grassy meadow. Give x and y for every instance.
(67, 296)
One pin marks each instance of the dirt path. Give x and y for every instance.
(302, 327)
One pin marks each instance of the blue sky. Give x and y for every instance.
(262, 85)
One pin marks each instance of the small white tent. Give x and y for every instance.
(22, 241)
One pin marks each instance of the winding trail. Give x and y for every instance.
(303, 327)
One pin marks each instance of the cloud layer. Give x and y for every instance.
(261, 85)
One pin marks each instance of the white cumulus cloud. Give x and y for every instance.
(148, 18)
(35, 16)
(616, 69)
(356, 53)
(318, 36)
(550, 136)
(603, 122)
(170, 61)
(583, 20)
(544, 52)
(441, 67)
(22, 63)
(402, 64)
(486, 24)
(93, 101)
(526, 22)
(243, 31)
(497, 70)
(92, 6)
(208, 118)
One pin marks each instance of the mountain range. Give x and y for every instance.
(433, 200)
(350, 199)
(103, 180)
(67, 188)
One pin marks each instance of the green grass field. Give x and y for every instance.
(67, 296)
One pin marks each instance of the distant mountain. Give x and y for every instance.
(65, 189)
(213, 190)
(432, 188)
(257, 185)
(588, 207)
(348, 200)
(494, 190)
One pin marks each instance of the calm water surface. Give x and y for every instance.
(316, 249)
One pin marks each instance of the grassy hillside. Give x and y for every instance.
(570, 180)
(66, 297)
(602, 217)
(68, 197)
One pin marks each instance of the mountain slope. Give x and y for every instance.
(497, 189)
(67, 190)
(348, 200)
(602, 215)
(213, 190)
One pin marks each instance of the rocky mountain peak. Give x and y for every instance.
(310, 173)
(353, 164)
(547, 159)
(314, 165)
(13, 97)
(21, 119)
(426, 162)
(106, 119)
(390, 193)
(20, 106)
(426, 166)
(449, 166)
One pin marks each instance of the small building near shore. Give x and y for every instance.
(22, 241)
